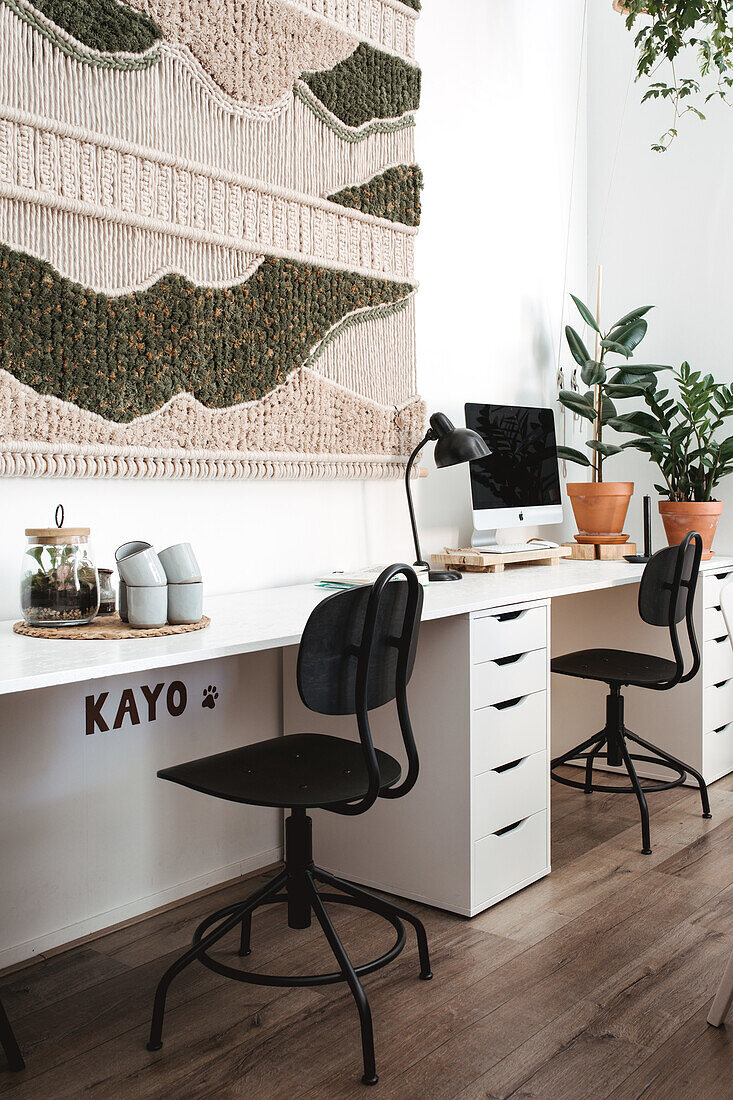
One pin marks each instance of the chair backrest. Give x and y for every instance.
(667, 596)
(357, 653)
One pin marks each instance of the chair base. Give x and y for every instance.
(296, 887)
(611, 745)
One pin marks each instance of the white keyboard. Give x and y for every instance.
(517, 547)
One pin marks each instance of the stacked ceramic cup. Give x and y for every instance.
(156, 589)
(143, 585)
(185, 586)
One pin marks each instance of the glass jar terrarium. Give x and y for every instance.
(59, 584)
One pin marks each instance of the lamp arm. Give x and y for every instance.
(429, 436)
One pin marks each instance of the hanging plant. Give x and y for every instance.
(674, 32)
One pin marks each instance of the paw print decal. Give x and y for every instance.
(210, 697)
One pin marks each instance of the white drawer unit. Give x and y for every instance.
(718, 705)
(508, 677)
(717, 661)
(711, 586)
(510, 859)
(508, 731)
(713, 624)
(507, 793)
(718, 752)
(505, 633)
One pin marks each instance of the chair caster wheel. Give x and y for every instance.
(646, 851)
(427, 977)
(153, 1046)
(707, 816)
(369, 1080)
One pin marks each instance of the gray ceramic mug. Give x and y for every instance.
(185, 603)
(141, 569)
(180, 564)
(124, 551)
(147, 606)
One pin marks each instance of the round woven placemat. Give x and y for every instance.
(109, 628)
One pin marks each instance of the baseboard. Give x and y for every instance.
(71, 935)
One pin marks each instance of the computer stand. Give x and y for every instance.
(483, 538)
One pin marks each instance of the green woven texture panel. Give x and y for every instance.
(125, 356)
(102, 24)
(366, 85)
(394, 194)
(415, 4)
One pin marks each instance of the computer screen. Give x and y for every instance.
(522, 469)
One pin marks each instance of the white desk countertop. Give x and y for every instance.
(270, 618)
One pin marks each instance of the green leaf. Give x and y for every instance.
(633, 316)
(579, 351)
(606, 449)
(569, 454)
(577, 403)
(593, 373)
(585, 313)
(611, 345)
(631, 335)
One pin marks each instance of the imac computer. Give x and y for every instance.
(519, 483)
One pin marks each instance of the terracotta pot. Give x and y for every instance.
(600, 508)
(682, 516)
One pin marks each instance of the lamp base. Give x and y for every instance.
(444, 575)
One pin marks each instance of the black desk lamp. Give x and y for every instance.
(452, 446)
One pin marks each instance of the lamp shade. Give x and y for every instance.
(455, 445)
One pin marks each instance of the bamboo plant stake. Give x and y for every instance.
(597, 395)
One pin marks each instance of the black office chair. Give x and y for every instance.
(9, 1043)
(666, 597)
(357, 653)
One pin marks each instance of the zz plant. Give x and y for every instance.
(674, 30)
(606, 383)
(683, 435)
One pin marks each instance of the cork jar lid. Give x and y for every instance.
(58, 535)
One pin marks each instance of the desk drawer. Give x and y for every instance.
(711, 586)
(506, 732)
(502, 862)
(508, 678)
(717, 751)
(510, 794)
(718, 705)
(713, 624)
(717, 661)
(508, 632)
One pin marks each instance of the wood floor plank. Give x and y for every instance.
(592, 982)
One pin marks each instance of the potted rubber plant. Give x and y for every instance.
(600, 506)
(684, 436)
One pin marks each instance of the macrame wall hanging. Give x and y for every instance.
(208, 212)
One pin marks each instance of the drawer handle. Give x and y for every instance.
(509, 767)
(721, 728)
(510, 828)
(722, 684)
(509, 703)
(509, 660)
(509, 616)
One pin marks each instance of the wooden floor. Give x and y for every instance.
(595, 982)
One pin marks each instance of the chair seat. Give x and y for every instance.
(615, 666)
(305, 769)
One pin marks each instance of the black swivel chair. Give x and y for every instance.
(357, 653)
(666, 597)
(9, 1043)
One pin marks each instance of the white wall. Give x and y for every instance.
(495, 139)
(661, 226)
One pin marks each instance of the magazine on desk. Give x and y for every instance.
(356, 578)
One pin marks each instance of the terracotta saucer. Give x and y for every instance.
(602, 540)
